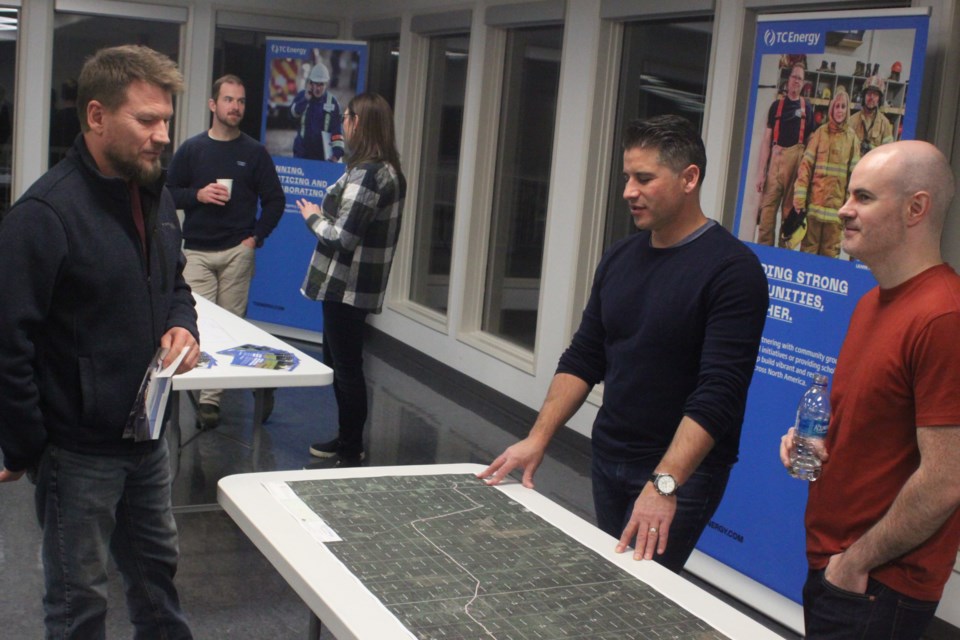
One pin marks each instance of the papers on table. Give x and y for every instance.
(206, 361)
(215, 335)
(261, 357)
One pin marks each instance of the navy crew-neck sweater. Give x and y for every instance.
(670, 332)
(202, 160)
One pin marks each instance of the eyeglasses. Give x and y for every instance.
(347, 114)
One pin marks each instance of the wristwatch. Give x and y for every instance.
(664, 483)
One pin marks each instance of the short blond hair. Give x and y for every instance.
(107, 74)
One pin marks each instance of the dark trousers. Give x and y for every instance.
(616, 486)
(93, 507)
(830, 613)
(343, 329)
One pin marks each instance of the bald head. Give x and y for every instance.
(915, 166)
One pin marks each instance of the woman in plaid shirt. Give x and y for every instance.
(356, 228)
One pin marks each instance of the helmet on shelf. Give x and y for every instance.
(895, 70)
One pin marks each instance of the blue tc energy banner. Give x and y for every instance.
(307, 86)
(825, 88)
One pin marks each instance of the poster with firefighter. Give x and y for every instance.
(826, 88)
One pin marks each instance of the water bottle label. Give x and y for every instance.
(813, 427)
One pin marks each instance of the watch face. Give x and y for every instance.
(666, 484)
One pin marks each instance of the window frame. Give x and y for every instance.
(423, 28)
(499, 20)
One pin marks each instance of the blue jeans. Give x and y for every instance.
(616, 486)
(343, 328)
(830, 613)
(88, 504)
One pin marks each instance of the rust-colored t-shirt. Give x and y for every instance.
(898, 370)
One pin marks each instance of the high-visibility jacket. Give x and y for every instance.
(824, 172)
(320, 133)
(875, 132)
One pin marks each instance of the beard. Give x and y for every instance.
(133, 170)
(225, 121)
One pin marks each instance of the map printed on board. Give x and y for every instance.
(451, 557)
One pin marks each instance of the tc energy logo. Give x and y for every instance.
(772, 38)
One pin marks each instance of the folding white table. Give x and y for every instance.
(220, 329)
(350, 611)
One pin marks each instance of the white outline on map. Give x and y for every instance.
(552, 585)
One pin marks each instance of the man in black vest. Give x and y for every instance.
(92, 278)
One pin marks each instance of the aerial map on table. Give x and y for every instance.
(451, 557)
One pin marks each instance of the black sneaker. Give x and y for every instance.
(325, 449)
(208, 416)
(329, 449)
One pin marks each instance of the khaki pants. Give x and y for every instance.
(778, 189)
(223, 277)
(823, 238)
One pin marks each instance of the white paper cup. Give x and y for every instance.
(228, 183)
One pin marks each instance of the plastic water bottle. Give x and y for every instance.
(813, 418)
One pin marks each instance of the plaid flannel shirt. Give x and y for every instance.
(356, 237)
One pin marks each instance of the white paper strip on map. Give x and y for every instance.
(307, 517)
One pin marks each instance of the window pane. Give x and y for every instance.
(440, 158)
(76, 38)
(384, 56)
(521, 183)
(8, 68)
(664, 71)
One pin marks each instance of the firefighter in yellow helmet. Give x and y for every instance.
(822, 178)
(872, 127)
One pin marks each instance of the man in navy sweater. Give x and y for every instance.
(672, 329)
(217, 178)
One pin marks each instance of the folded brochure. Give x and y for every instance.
(261, 357)
(145, 421)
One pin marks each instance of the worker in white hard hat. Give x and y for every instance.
(320, 132)
(871, 126)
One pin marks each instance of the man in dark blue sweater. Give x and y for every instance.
(672, 329)
(217, 178)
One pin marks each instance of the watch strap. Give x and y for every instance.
(655, 477)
